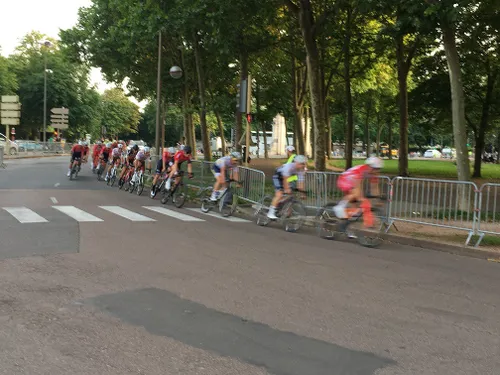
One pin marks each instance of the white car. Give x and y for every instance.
(449, 153)
(432, 153)
(13, 146)
(140, 143)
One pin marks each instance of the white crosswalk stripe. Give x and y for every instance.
(219, 216)
(172, 213)
(77, 214)
(25, 215)
(127, 214)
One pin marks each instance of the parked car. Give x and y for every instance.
(30, 146)
(449, 153)
(139, 143)
(13, 147)
(432, 153)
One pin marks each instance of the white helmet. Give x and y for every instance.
(290, 148)
(108, 145)
(120, 145)
(84, 143)
(171, 150)
(146, 150)
(235, 155)
(301, 159)
(374, 162)
(99, 142)
(80, 143)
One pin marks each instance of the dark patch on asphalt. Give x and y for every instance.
(282, 353)
(59, 235)
(449, 314)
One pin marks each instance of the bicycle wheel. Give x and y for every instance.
(206, 203)
(371, 237)
(179, 196)
(99, 172)
(228, 203)
(113, 177)
(293, 215)
(140, 185)
(262, 210)
(326, 223)
(121, 182)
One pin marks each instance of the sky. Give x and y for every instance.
(19, 17)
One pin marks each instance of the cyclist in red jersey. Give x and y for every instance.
(163, 165)
(86, 151)
(350, 182)
(76, 155)
(95, 154)
(180, 157)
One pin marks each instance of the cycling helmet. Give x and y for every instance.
(108, 145)
(135, 147)
(84, 143)
(187, 149)
(171, 150)
(99, 142)
(301, 159)
(146, 150)
(80, 143)
(290, 148)
(235, 155)
(120, 145)
(374, 162)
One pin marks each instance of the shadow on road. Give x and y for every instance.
(282, 353)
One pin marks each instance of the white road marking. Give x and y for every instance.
(219, 216)
(77, 214)
(127, 214)
(56, 185)
(54, 200)
(25, 215)
(172, 213)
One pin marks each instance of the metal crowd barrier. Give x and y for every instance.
(488, 211)
(440, 203)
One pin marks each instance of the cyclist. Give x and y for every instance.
(105, 154)
(350, 183)
(116, 156)
(282, 184)
(163, 165)
(140, 161)
(76, 155)
(220, 170)
(290, 153)
(95, 154)
(184, 154)
(86, 151)
(129, 160)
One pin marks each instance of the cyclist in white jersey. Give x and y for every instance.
(220, 168)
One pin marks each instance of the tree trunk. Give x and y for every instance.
(264, 135)
(367, 128)
(239, 118)
(328, 132)
(379, 132)
(389, 128)
(306, 20)
(297, 119)
(457, 103)
(185, 105)
(221, 132)
(484, 122)
(349, 131)
(207, 154)
(403, 70)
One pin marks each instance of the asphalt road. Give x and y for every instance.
(87, 291)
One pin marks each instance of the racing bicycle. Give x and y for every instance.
(75, 168)
(227, 202)
(330, 227)
(290, 211)
(178, 191)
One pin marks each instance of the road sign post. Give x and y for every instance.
(10, 113)
(59, 118)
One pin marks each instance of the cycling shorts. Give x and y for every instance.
(159, 166)
(105, 157)
(76, 155)
(278, 181)
(115, 159)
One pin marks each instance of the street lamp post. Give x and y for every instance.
(47, 44)
(175, 72)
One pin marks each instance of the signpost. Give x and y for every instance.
(59, 118)
(10, 113)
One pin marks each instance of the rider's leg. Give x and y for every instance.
(350, 191)
(70, 166)
(217, 185)
(367, 213)
(278, 186)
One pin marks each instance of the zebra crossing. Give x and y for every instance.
(25, 215)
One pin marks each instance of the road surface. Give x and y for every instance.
(98, 281)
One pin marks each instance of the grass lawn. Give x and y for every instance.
(427, 168)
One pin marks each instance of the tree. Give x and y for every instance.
(8, 79)
(119, 115)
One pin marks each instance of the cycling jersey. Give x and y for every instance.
(224, 162)
(141, 156)
(349, 178)
(285, 172)
(97, 150)
(78, 149)
(116, 152)
(181, 157)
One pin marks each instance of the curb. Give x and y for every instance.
(415, 242)
(6, 158)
